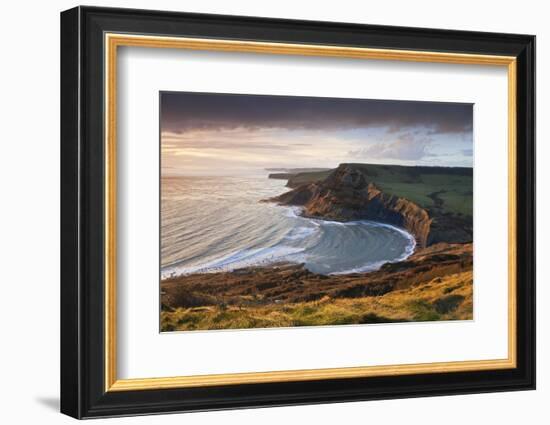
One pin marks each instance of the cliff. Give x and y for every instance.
(350, 192)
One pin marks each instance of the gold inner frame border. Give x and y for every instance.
(111, 43)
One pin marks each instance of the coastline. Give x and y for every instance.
(406, 197)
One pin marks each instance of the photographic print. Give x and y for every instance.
(284, 211)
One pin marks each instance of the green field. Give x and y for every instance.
(441, 189)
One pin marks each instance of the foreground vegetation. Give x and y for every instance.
(448, 298)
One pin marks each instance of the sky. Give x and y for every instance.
(232, 134)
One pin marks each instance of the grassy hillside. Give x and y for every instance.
(441, 189)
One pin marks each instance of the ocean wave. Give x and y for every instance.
(301, 232)
(304, 254)
(373, 266)
(292, 212)
(237, 260)
(248, 233)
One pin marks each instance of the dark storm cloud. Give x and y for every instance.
(182, 111)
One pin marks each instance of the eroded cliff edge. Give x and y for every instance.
(351, 192)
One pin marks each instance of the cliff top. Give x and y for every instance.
(438, 189)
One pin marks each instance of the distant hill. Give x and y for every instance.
(308, 177)
(290, 173)
(298, 170)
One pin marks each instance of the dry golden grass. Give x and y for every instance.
(441, 298)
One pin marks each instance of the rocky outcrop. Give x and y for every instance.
(349, 193)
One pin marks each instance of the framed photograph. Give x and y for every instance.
(261, 212)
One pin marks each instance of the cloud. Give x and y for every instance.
(408, 147)
(467, 152)
(184, 111)
(221, 151)
(224, 139)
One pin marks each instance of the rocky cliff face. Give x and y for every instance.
(349, 194)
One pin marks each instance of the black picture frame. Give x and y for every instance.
(83, 392)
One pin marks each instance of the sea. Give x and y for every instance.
(218, 224)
